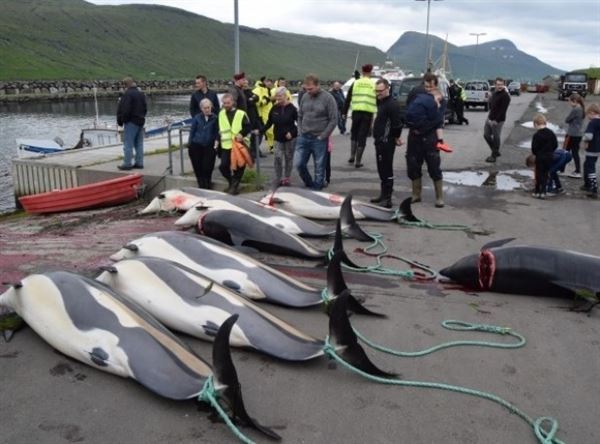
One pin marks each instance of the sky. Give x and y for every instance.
(564, 34)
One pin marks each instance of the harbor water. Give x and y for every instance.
(47, 120)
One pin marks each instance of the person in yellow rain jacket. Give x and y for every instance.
(233, 123)
(361, 96)
(281, 83)
(262, 89)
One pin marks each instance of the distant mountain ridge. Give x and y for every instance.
(74, 39)
(496, 58)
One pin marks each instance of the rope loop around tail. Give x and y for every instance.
(210, 396)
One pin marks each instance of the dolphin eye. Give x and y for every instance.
(161, 196)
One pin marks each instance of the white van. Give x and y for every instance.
(478, 94)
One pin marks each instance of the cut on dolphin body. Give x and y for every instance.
(322, 205)
(179, 200)
(529, 270)
(224, 265)
(91, 323)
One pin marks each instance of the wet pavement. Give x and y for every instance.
(49, 398)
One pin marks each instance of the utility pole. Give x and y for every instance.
(427, 44)
(236, 36)
(477, 35)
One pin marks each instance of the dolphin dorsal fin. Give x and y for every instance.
(497, 243)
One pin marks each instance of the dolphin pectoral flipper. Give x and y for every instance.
(348, 222)
(406, 211)
(226, 374)
(341, 331)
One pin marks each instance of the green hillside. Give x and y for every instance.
(497, 58)
(73, 39)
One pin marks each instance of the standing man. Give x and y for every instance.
(317, 118)
(493, 125)
(338, 95)
(202, 92)
(237, 91)
(131, 114)
(233, 123)
(361, 97)
(386, 134)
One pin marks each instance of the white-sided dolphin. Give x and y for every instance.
(178, 200)
(224, 265)
(530, 270)
(322, 205)
(186, 301)
(89, 322)
(245, 230)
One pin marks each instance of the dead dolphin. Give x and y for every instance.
(89, 322)
(321, 205)
(530, 270)
(224, 265)
(186, 301)
(178, 200)
(246, 230)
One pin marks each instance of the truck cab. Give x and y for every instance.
(478, 94)
(572, 82)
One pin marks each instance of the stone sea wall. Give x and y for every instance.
(23, 91)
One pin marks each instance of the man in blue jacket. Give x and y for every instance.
(131, 115)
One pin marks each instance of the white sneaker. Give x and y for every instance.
(575, 175)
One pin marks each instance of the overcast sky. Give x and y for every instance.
(564, 34)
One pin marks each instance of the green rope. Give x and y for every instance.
(421, 223)
(543, 435)
(210, 395)
(379, 268)
(458, 326)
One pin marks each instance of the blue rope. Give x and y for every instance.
(543, 435)
(210, 396)
(421, 223)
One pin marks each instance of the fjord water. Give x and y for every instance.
(47, 120)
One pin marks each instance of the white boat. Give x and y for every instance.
(89, 137)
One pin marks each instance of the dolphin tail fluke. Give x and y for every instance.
(341, 330)
(338, 246)
(349, 224)
(226, 374)
(336, 285)
(406, 210)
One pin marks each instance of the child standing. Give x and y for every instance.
(592, 137)
(575, 121)
(543, 145)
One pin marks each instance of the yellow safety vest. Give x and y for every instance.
(363, 95)
(228, 131)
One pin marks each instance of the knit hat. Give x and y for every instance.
(239, 76)
(367, 68)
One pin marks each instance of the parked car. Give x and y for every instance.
(478, 94)
(401, 89)
(514, 88)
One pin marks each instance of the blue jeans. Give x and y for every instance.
(589, 173)
(307, 144)
(559, 159)
(133, 138)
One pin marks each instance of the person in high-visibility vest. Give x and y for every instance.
(457, 98)
(262, 89)
(233, 123)
(361, 97)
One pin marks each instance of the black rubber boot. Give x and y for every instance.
(353, 145)
(359, 153)
(381, 196)
(387, 190)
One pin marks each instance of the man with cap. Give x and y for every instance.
(361, 97)
(237, 90)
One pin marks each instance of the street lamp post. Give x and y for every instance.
(236, 37)
(427, 58)
(477, 35)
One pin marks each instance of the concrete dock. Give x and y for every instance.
(49, 398)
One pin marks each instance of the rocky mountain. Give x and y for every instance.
(486, 61)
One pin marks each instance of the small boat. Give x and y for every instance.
(99, 194)
(88, 138)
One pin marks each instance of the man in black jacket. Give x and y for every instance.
(386, 134)
(202, 92)
(131, 114)
(493, 125)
